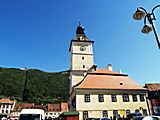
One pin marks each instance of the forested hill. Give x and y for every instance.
(41, 87)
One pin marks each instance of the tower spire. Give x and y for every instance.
(80, 29)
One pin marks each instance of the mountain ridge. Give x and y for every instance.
(41, 87)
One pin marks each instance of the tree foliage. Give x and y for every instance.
(41, 87)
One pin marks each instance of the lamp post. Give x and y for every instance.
(142, 13)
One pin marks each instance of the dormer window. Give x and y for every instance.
(121, 83)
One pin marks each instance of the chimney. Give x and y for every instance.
(120, 71)
(109, 67)
(95, 67)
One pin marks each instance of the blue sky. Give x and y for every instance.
(37, 34)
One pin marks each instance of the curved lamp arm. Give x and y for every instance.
(155, 8)
(143, 10)
(153, 11)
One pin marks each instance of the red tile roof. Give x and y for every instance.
(153, 86)
(6, 100)
(105, 79)
(39, 107)
(20, 106)
(104, 71)
(53, 107)
(49, 107)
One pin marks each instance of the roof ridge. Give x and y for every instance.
(115, 74)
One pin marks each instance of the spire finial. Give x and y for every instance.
(80, 29)
(79, 23)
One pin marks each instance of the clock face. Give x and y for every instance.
(82, 48)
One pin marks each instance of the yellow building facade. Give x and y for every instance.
(108, 108)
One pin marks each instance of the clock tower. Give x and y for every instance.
(81, 50)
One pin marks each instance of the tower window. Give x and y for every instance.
(83, 66)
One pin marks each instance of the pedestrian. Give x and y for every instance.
(119, 117)
(114, 117)
(110, 117)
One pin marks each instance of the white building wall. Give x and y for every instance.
(78, 62)
(6, 108)
(76, 79)
(53, 114)
(76, 48)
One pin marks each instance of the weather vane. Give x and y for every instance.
(79, 23)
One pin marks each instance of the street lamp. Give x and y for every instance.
(142, 13)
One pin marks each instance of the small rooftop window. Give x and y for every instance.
(121, 83)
